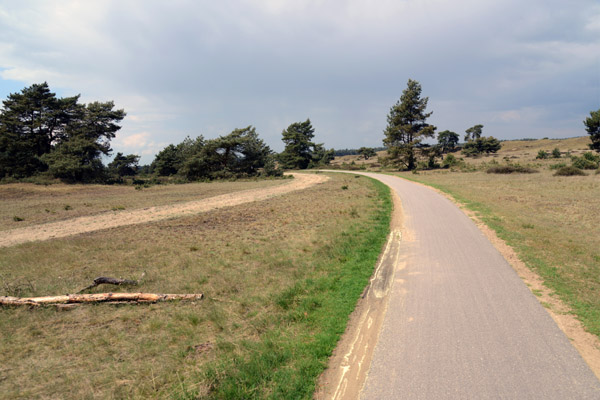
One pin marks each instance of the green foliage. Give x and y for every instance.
(321, 156)
(300, 152)
(451, 161)
(557, 166)
(473, 133)
(407, 127)
(511, 169)
(367, 152)
(592, 127)
(556, 153)
(124, 165)
(569, 170)
(587, 161)
(238, 154)
(298, 145)
(541, 155)
(447, 140)
(480, 145)
(40, 132)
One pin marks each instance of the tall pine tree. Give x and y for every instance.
(407, 127)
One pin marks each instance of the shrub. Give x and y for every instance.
(557, 166)
(569, 171)
(587, 161)
(541, 155)
(511, 169)
(556, 153)
(450, 161)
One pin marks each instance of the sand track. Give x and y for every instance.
(108, 220)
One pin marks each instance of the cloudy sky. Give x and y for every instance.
(521, 68)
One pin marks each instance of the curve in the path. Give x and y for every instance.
(92, 223)
(460, 323)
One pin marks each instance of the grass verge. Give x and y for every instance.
(286, 362)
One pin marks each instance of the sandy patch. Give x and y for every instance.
(108, 220)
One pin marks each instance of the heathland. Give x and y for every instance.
(279, 276)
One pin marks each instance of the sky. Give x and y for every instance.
(523, 69)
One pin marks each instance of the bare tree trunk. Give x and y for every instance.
(97, 298)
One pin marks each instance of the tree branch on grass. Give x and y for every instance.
(112, 281)
(96, 298)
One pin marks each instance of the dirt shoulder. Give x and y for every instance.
(92, 223)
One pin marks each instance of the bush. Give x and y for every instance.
(541, 155)
(557, 166)
(556, 153)
(588, 161)
(450, 161)
(569, 171)
(511, 169)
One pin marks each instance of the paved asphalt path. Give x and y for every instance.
(460, 323)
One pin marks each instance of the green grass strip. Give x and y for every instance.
(287, 360)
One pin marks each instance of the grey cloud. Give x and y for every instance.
(185, 67)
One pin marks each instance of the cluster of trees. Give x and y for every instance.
(407, 128)
(241, 154)
(41, 134)
(60, 137)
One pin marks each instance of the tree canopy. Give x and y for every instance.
(592, 126)
(473, 132)
(300, 152)
(407, 126)
(367, 152)
(447, 140)
(239, 154)
(40, 132)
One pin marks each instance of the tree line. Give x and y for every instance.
(407, 128)
(43, 135)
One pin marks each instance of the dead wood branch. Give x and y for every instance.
(112, 281)
(97, 298)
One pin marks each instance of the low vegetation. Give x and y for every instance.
(569, 170)
(271, 316)
(510, 169)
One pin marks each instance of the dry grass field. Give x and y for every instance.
(38, 204)
(280, 278)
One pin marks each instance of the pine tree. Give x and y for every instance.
(407, 127)
(298, 152)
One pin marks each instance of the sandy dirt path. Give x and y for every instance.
(97, 222)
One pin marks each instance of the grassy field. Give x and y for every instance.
(25, 204)
(280, 279)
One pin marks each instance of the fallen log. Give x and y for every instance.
(97, 298)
